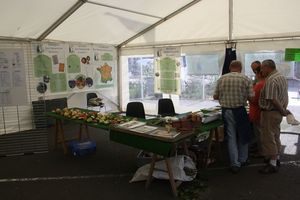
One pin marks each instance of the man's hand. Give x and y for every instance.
(283, 111)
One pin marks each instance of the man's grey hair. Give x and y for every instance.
(236, 63)
(270, 63)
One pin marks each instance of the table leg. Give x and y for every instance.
(171, 177)
(149, 179)
(210, 138)
(59, 135)
(56, 133)
(217, 136)
(185, 148)
(80, 132)
(86, 131)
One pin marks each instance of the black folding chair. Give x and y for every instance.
(135, 109)
(166, 107)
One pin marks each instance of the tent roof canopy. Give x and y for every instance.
(144, 22)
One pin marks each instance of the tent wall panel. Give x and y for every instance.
(23, 128)
(33, 141)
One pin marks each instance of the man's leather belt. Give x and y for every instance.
(269, 110)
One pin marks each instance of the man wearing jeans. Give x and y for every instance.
(233, 90)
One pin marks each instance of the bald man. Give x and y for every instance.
(233, 90)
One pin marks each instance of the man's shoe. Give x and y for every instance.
(268, 169)
(234, 169)
(278, 163)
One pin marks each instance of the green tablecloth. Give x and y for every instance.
(78, 121)
(160, 146)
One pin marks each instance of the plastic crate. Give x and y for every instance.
(81, 148)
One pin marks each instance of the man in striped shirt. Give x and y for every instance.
(233, 90)
(273, 102)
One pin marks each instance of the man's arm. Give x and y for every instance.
(279, 107)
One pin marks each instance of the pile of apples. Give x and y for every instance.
(91, 117)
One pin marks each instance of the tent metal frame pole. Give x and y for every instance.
(69, 12)
(14, 39)
(123, 9)
(159, 22)
(258, 39)
(178, 44)
(230, 20)
(119, 79)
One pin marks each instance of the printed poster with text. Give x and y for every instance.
(80, 67)
(12, 78)
(167, 70)
(105, 62)
(50, 67)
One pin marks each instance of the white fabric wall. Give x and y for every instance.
(267, 18)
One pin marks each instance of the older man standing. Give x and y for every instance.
(273, 102)
(233, 90)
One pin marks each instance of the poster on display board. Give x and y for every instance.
(49, 64)
(62, 67)
(167, 70)
(12, 77)
(104, 60)
(80, 67)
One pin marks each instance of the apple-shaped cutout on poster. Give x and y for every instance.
(41, 87)
(72, 84)
(89, 81)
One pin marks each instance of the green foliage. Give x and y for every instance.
(134, 90)
(191, 90)
(193, 190)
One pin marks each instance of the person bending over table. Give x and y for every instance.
(233, 90)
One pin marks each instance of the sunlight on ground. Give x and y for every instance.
(294, 107)
(290, 143)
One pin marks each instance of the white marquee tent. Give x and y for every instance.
(145, 22)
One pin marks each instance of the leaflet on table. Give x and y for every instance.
(131, 124)
(146, 116)
(144, 129)
(165, 133)
(209, 117)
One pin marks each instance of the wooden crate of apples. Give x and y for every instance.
(188, 123)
